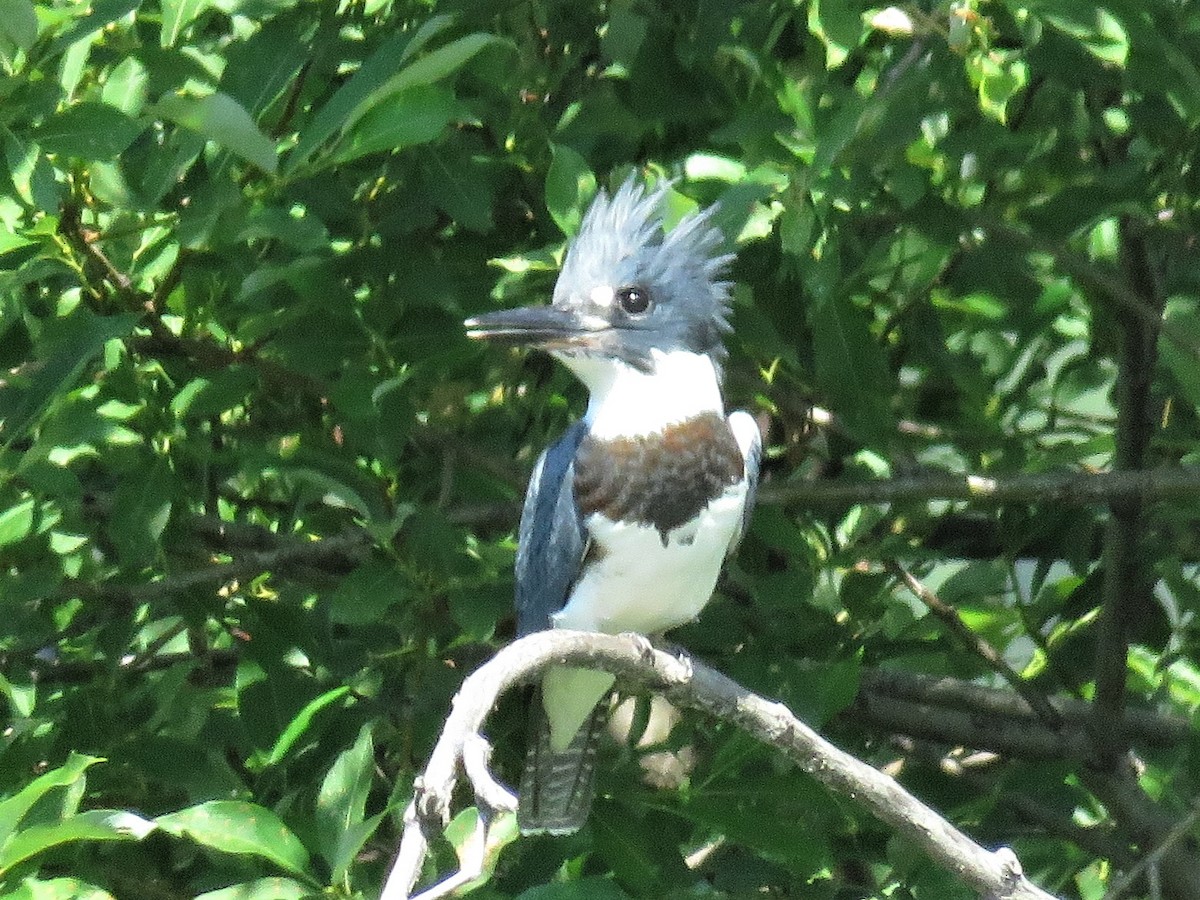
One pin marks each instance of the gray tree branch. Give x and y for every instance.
(1075, 488)
(995, 875)
(987, 705)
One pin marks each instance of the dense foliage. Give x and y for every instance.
(258, 491)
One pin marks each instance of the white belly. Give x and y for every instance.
(635, 583)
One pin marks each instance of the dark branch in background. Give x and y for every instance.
(1127, 588)
(994, 875)
(214, 355)
(352, 544)
(1101, 840)
(1170, 840)
(958, 713)
(1054, 487)
(70, 225)
(1115, 785)
(57, 671)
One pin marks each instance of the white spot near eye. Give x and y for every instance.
(602, 295)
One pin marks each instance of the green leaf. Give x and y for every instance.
(260, 69)
(570, 186)
(342, 803)
(126, 86)
(261, 889)
(771, 824)
(57, 889)
(415, 116)
(94, 825)
(1095, 27)
(1183, 314)
(339, 110)
(460, 833)
(234, 826)
(1001, 76)
(583, 889)
(433, 66)
(177, 15)
(10, 242)
(850, 367)
(16, 522)
(21, 697)
(370, 95)
(88, 130)
(642, 851)
(221, 119)
(14, 808)
(86, 27)
(18, 26)
(366, 594)
(298, 727)
(839, 25)
(141, 508)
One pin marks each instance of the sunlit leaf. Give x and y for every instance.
(177, 15)
(570, 186)
(220, 118)
(414, 116)
(13, 809)
(89, 131)
(234, 826)
(261, 889)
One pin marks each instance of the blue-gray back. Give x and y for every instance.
(551, 539)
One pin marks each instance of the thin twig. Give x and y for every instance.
(1181, 830)
(1142, 821)
(685, 682)
(949, 615)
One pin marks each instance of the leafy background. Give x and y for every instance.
(257, 490)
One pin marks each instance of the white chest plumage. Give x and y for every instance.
(639, 583)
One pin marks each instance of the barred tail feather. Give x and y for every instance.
(557, 787)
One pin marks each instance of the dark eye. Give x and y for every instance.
(634, 300)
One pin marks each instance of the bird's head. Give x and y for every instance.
(627, 289)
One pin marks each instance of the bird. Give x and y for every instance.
(630, 515)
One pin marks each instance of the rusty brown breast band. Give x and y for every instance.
(663, 479)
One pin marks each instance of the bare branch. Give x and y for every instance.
(1075, 488)
(1127, 587)
(985, 704)
(1015, 738)
(685, 682)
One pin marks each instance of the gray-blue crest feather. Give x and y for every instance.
(551, 540)
(622, 241)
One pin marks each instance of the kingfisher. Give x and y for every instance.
(630, 515)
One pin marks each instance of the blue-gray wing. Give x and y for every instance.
(749, 439)
(552, 541)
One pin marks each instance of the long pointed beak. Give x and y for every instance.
(545, 327)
